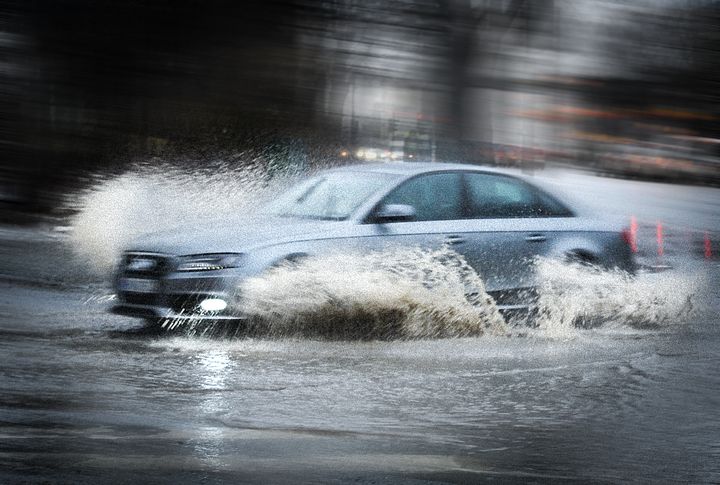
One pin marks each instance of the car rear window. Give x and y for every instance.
(497, 196)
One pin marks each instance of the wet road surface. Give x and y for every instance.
(84, 400)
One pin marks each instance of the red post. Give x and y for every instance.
(707, 246)
(633, 234)
(660, 246)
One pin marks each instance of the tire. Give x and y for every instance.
(153, 326)
(581, 257)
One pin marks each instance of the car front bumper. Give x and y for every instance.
(175, 295)
(148, 312)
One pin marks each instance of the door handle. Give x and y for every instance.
(454, 239)
(535, 238)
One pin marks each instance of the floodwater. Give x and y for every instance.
(85, 401)
(85, 398)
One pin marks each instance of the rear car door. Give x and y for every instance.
(507, 223)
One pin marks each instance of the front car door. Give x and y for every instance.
(438, 202)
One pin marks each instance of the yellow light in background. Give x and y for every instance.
(344, 153)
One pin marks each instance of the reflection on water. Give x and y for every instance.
(214, 368)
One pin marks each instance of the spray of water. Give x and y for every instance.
(116, 210)
(414, 293)
(398, 294)
(428, 294)
(572, 296)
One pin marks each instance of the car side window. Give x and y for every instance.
(435, 197)
(496, 196)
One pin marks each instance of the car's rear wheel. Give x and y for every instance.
(581, 257)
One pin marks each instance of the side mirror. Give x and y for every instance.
(395, 213)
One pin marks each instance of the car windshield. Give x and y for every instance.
(330, 196)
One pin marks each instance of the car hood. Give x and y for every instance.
(232, 236)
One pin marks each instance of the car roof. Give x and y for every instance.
(414, 168)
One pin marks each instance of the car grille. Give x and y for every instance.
(187, 303)
(146, 265)
(153, 266)
(148, 299)
(149, 266)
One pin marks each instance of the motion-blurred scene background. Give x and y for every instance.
(620, 88)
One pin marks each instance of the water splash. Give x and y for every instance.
(402, 293)
(414, 293)
(572, 296)
(430, 294)
(116, 210)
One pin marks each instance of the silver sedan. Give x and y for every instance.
(497, 220)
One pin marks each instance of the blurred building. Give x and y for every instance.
(605, 85)
(625, 87)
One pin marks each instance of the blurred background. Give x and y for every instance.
(620, 88)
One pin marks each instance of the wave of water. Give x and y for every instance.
(429, 294)
(402, 293)
(116, 210)
(572, 296)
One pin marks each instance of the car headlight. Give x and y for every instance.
(209, 262)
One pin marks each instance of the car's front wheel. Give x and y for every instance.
(153, 325)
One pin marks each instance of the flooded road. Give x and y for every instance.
(85, 398)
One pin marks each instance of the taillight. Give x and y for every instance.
(629, 235)
(625, 234)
